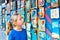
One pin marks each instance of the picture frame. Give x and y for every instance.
(49, 1)
(34, 34)
(18, 4)
(21, 11)
(41, 2)
(55, 29)
(14, 5)
(3, 18)
(22, 3)
(34, 23)
(0, 2)
(3, 11)
(41, 12)
(0, 18)
(55, 13)
(28, 5)
(33, 14)
(8, 8)
(42, 35)
(28, 17)
(41, 25)
(0, 10)
(28, 35)
(34, 3)
(54, 3)
(28, 26)
(59, 2)
(3, 5)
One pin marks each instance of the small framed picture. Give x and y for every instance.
(0, 10)
(34, 3)
(40, 2)
(13, 5)
(55, 13)
(3, 18)
(28, 5)
(3, 5)
(28, 17)
(55, 29)
(13, 12)
(28, 26)
(8, 18)
(28, 35)
(33, 14)
(34, 34)
(54, 3)
(0, 18)
(18, 3)
(4, 26)
(0, 2)
(21, 11)
(48, 1)
(34, 23)
(41, 12)
(59, 2)
(41, 25)
(8, 8)
(22, 3)
(3, 11)
(42, 35)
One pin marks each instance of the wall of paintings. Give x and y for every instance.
(41, 17)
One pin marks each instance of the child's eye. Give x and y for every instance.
(21, 18)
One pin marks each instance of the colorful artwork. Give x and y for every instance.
(41, 24)
(33, 14)
(34, 34)
(28, 5)
(40, 2)
(55, 29)
(18, 3)
(0, 10)
(42, 35)
(34, 3)
(28, 26)
(55, 13)
(54, 3)
(48, 1)
(22, 3)
(28, 17)
(13, 5)
(3, 11)
(41, 17)
(34, 23)
(41, 12)
(28, 35)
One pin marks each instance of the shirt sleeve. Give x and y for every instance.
(10, 36)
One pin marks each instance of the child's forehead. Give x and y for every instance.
(19, 16)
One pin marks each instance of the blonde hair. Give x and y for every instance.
(11, 22)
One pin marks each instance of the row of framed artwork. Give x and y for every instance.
(29, 3)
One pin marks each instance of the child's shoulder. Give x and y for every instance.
(12, 31)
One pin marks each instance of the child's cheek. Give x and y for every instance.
(20, 22)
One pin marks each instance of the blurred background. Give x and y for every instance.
(41, 18)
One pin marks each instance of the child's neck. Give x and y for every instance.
(18, 28)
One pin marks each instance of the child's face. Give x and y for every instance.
(19, 21)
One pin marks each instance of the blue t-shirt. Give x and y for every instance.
(17, 35)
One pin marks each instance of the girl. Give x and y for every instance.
(15, 30)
